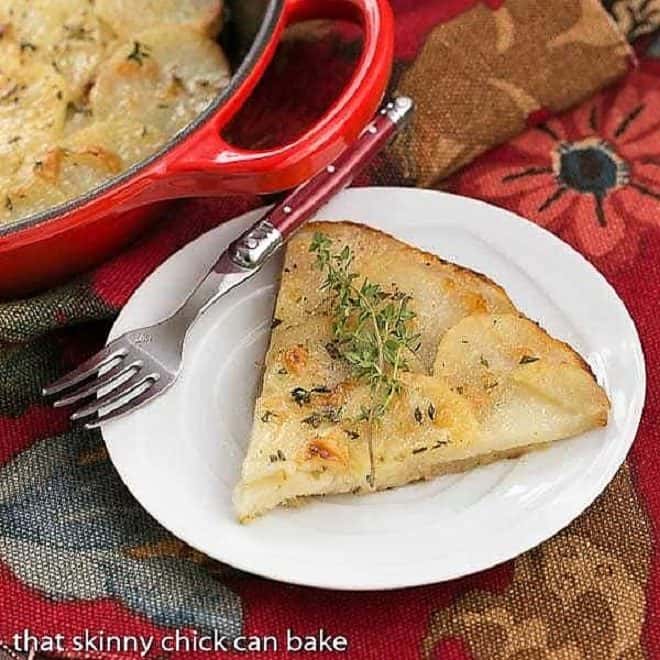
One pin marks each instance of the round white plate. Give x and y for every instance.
(181, 455)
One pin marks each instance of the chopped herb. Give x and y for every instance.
(14, 139)
(327, 414)
(301, 395)
(282, 371)
(59, 95)
(484, 362)
(354, 435)
(490, 386)
(528, 359)
(333, 350)
(464, 341)
(75, 109)
(356, 490)
(440, 443)
(279, 456)
(9, 205)
(314, 420)
(177, 81)
(460, 389)
(332, 414)
(431, 411)
(275, 323)
(78, 32)
(418, 416)
(267, 416)
(26, 45)
(163, 106)
(139, 53)
(419, 450)
(144, 131)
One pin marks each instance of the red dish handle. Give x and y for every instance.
(226, 168)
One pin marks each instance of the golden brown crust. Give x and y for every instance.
(410, 250)
(487, 382)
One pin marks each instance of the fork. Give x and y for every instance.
(142, 364)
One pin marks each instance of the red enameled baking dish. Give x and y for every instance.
(40, 250)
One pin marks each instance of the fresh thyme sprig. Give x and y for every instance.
(371, 329)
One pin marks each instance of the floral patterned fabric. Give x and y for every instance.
(78, 552)
(591, 175)
(635, 17)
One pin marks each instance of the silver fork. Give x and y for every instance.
(140, 365)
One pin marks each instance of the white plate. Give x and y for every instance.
(181, 455)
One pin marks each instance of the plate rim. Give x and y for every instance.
(468, 566)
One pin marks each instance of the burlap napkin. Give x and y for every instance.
(486, 75)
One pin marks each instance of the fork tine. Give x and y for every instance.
(110, 380)
(128, 407)
(87, 369)
(119, 396)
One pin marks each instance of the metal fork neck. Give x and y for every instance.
(256, 245)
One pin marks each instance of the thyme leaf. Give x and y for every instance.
(371, 329)
(139, 53)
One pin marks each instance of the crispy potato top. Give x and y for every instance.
(485, 382)
(87, 89)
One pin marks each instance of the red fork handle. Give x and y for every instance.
(231, 169)
(298, 207)
(251, 250)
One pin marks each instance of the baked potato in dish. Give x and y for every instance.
(88, 89)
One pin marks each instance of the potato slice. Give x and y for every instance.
(11, 158)
(65, 34)
(27, 196)
(129, 140)
(128, 17)
(102, 151)
(163, 78)
(95, 154)
(543, 402)
(514, 373)
(33, 101)
(76, 172)
(497, 342)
